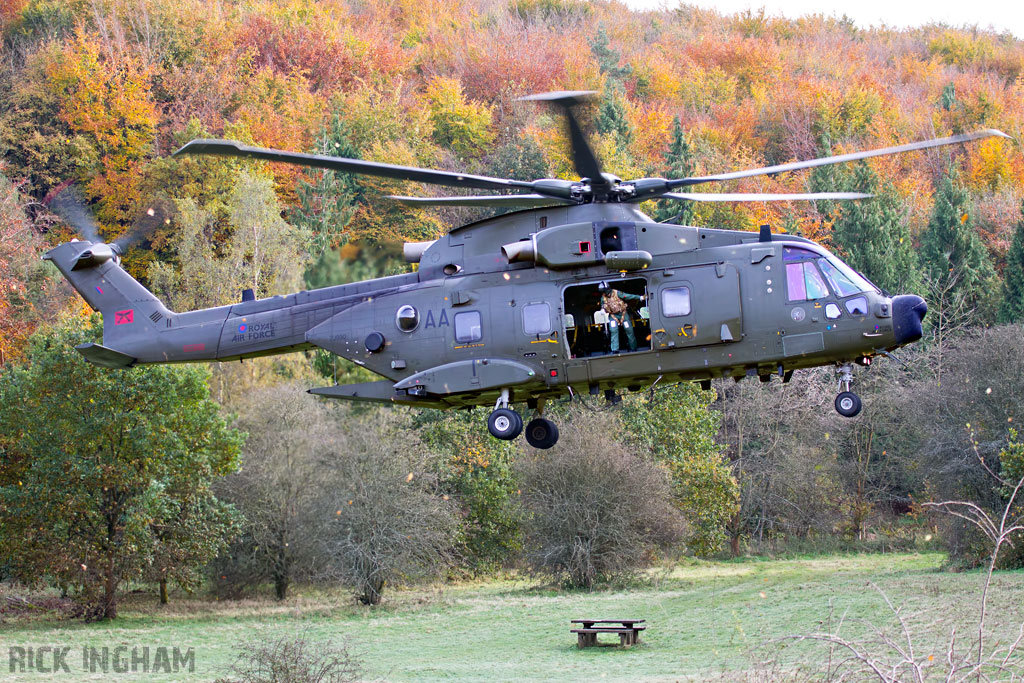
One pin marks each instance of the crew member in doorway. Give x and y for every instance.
(614, 304)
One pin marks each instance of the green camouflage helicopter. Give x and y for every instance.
(579, 293)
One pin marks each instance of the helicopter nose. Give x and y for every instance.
(908, 313)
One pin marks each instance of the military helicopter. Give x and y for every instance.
(532, 305)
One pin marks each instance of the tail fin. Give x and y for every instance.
(131, 313)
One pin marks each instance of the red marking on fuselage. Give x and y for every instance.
(192, 348)
(124, 317)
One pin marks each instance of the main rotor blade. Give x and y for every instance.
(503, 200)
(855, 156)
(583, 157)
(231, 148)
(759, 197)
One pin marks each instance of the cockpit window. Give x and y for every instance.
(794, 253)
(804, 282)
(839, 281)
(845, 281)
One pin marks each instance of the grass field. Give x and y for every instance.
(706, 620)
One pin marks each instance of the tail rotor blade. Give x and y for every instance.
(70, 205)
(157, 215)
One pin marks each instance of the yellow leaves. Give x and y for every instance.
(991, 164)
(105, 97)
(958, 48)
(458, 124)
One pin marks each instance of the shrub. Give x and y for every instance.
(383, 518)
(595, 510)
(295, 659)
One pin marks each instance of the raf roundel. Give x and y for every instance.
(243, 327)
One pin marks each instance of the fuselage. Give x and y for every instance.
(469, 323)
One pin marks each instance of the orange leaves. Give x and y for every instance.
(652, 134)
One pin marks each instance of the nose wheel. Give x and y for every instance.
(847, 403)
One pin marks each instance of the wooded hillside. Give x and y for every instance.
(98, 93)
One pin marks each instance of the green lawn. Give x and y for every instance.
(706, 620)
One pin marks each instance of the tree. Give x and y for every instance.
(95, 463)
(459, 125)
(873, 235)
(289, 436)
(952, 254)
(678, 428)
(679, 163)
(383, 518)
(328, 200)
(264, 252)
(595, 510)
(477, 471)
(1011, 308)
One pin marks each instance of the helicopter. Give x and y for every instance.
(577, 292)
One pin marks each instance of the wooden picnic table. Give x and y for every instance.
(628, 630)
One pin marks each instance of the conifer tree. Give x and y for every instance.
(873, 235)
(952, 254)
(1011, 309)
(679, 163)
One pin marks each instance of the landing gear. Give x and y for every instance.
(847, 403)
(541, 433)
(505, 424)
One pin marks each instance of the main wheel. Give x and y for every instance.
(541, 433)
(505, 424)
(847, 404)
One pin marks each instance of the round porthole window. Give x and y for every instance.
(407, 318)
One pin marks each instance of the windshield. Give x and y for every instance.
(843, 278)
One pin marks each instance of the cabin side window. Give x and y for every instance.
(536, 319)
(675, 301)
(468, 327)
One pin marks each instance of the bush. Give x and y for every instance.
(383, 518)
(295, 660)
(595, 511)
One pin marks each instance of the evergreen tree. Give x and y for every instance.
(873, 235)
(612, 120)
(679, 163)
(329, 199)
(953, 256)
(1011, 309)
(607, 58)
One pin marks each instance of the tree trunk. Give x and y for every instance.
(163, 591)
(281, 587)
(108, 610)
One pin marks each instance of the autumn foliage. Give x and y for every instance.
(100, 93)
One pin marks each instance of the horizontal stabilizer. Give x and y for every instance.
(105, 357)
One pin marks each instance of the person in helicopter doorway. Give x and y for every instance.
(614, 304)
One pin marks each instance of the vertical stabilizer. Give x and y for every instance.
(131, 313)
